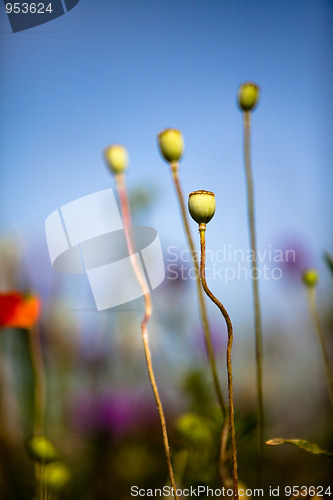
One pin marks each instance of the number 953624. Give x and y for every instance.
(28, 8)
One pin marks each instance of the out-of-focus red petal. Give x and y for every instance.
(18, 310)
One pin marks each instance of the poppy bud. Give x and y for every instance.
(116, 157)
(194, 429)
(310, 277)
(41, 449)
(201, 205)
(171, 144)
(56, 476)
(248, 96)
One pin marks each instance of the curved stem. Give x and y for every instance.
(121, 186)
(202, 230)
(255, 287)
(205, 326)
(320, 333)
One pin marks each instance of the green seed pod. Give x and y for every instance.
(194, 429)
(116, 157)
(56, 476)
(248, 96)
(171, 144)
(41, 449)
(201, 205)
(310, 277)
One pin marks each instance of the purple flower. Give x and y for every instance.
(117, 412)
(295, 258)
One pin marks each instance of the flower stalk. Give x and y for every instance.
(201, 206)
(202, 230)
(39, 380)
(248, 97)
(171, 146)
(39, 403)
(310, 279)
(206, 329)
(126, 216)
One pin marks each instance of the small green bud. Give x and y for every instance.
(248, 96)
(310, 277)
(56, 476)
(116, 157)
(41, 449)
(194, 429)
(201, 205)
(171, 144)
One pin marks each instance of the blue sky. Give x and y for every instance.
(121, 71)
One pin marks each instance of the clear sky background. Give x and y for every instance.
(121, 71)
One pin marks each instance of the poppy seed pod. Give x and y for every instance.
(194, 429)
(201, 205)
(116, 157)
(171, 144)
(56, 476)
(248, 96)
(41, 449)
(310, 277)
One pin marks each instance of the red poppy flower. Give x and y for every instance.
(18, 310)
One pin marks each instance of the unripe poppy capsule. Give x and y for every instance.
(116, 157)
(41, 449)
(310, 277)
(248, 96)
(201, 205)
(56, 476)
(171, 144)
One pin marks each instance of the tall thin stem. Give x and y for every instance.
(39, 380)
(202, 230)
(37, 364)
(205, 326)
(320, 333)
(255, 288)
(122, 191)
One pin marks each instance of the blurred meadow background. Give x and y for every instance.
(120, 72)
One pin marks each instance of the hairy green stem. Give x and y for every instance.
(126, 215)
(255, 288)
(202, 230)
(320, 333)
